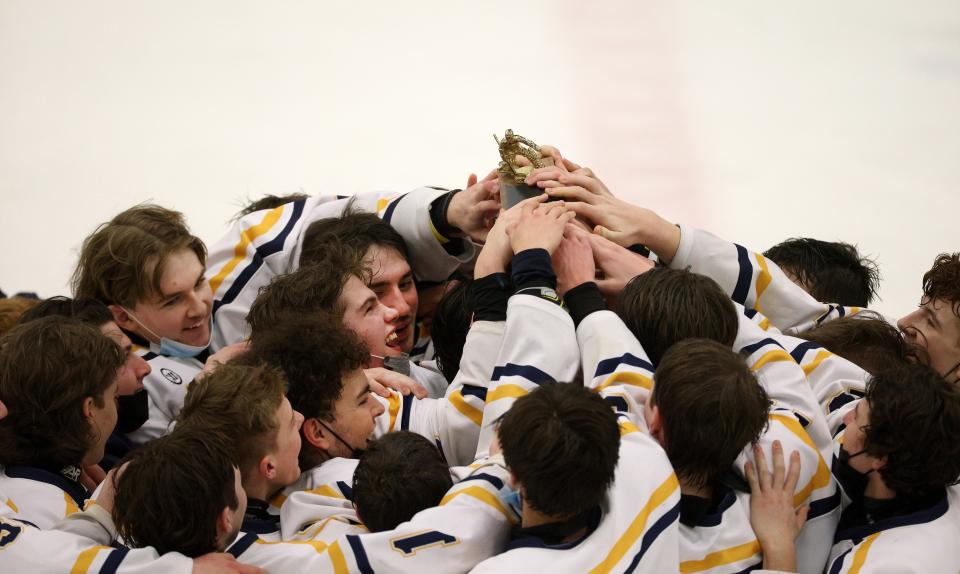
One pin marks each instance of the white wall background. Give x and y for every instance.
(758, 120)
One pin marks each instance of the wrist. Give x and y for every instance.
(779, 556)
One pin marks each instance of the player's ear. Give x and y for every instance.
(655, 423)
(88, 408)
(315, 434)
(267, 467)
(122, 318)
(224, 522)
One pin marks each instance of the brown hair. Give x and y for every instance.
(665, 306)
(12, 309)
(171, 494)
(942, 281)
(711, 406)
(355, 230)
(238, 402)
(316, 287)
(866, 340)
(123, 261)
(48, 367)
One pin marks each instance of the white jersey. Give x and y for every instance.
(72, 546)
(323, 491)
(924, 542)
(166, 387)
(267, 244)
(620, 370)
(40, 497)
(452, 422)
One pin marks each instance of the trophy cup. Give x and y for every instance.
(518, 157)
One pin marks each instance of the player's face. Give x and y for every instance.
(286, 455)
(366, 316)
(130, 379)
(182, 309)
(935, 329)
(392, 282)
(103, 419)
(854, 438)
(354, 414)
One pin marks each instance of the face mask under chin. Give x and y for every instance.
(132, 411)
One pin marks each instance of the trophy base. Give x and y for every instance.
(513, 193)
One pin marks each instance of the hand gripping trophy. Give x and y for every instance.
(518, 157)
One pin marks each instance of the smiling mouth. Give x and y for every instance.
(392, 339)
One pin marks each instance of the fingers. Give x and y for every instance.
(763, 471)
(573, 193)
(379, 389)
(492, 176)
(801, 516)
(778, 469)
(471, 180)
(585, 210)
(752, 478)
(793, 475)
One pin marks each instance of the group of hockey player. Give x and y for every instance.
(433, 382)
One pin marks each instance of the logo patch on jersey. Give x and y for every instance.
(412, 543)
(171, 376)
(8, 533)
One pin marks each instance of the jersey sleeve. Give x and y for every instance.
(265, 244)
(539, 346)
(753, 281)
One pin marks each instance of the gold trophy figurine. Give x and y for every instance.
(518, 157)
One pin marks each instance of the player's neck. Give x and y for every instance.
(705, 491)
(877, 489)
(531, 518)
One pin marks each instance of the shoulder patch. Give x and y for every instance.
(171, 376)
(9, 533)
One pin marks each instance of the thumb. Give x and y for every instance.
(472, 180)
(802, 517)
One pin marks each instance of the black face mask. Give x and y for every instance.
(132, 411)
(354, 452)
(852, 480)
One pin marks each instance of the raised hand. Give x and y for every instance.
(573, 260)
(618, 264)
(540, 226)
(773, 517)
(381, 380)
(496, 252)
(473, 209)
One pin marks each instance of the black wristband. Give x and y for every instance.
(438, 215)
(583, 300)
(489, 297)
(533, 268)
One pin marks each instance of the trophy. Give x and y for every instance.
(518, 157)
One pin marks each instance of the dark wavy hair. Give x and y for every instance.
(833, 271)
(942, 281)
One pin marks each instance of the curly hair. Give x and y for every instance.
(942, 281)
(914, 423)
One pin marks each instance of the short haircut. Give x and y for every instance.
(711, 407)
(942, 281)
(665, 306)
(171, 494)
(312, 288)
(834, 271)
(87, 311)
(238, 402)
(356, 230)
(399, 474)
(451, 323)
(865, 339)
(123, 261)
(914, 423)
(48, 367)
(12, 311)
(322, 353)
(269, 202)
(562, 444)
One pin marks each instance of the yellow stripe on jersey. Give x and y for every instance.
(627, 427)
(326, 490)
(382, 204)
(763, 280)
(765, 324)
(481, 494)
(443, 240)
(721, 557)
(821, 356)
(506, 391)
(474, 414)
(71, 505)
(246, 238)
(317, 545)
(631, 378)
(12, 506)
(636, 528)
(860, 558)
(278, 500)
(85, 559)
(773, 356)
(336, 557)
(393, 407)
(821, 477)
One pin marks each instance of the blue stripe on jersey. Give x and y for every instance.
(753, 347)
(345, 489)
(619, 404)
(75, 490)
(826, 314)
(388, 213)
(743, 279)
(842, 399)
(149, 356)
(714, 519)
(824, 505)
(800, 350)
(838, 563)
(496, 482)
(532, 374)
(749, 313)
(607, 366)
(113, 561)
(474, 391)
(273, 246)
(405, 417)
(755, 567)
(242, 544)
(652, 533)
(840, 311)
(922, 516)
(360, 554)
